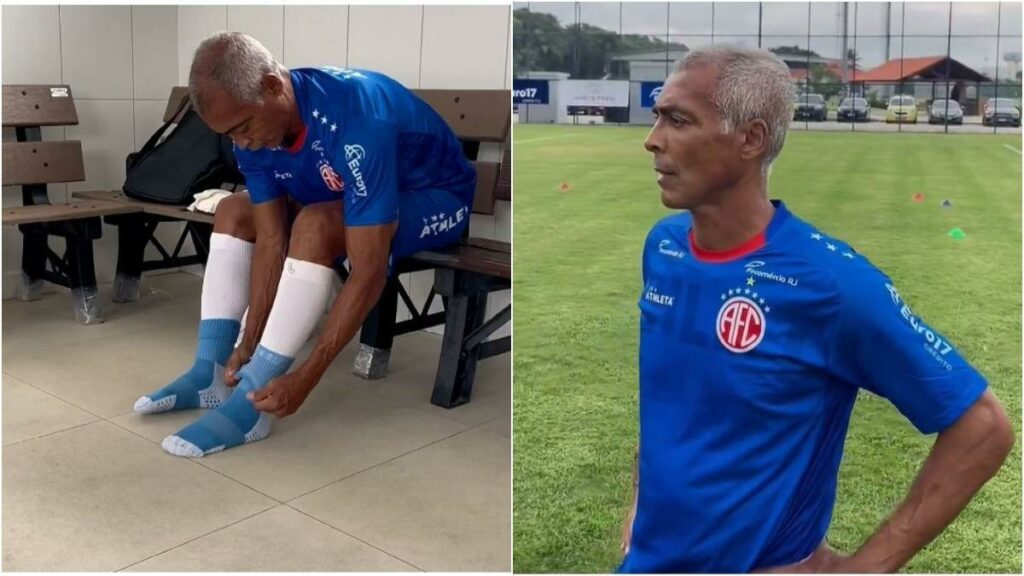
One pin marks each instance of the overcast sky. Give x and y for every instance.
(924, 25)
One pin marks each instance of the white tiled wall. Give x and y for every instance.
(154, 52)
(387, 39)
(121, 76)
(315, 35)
(194, 24)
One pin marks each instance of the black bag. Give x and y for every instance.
(193, 158)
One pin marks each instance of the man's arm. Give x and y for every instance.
(368, 248)
(627, 527)
(963, 458)
(271, 221)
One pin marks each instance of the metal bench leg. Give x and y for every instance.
(377, 335)
(131, 251)
(456, 369)
(82, 273)
(33, 266)
(201, 234)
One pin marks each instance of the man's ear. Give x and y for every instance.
(272, 84)
(756, 139)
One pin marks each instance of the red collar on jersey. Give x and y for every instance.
(718, 256)
(297, 146)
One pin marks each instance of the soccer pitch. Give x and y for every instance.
(585, 198)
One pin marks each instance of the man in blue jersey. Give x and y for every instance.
(757, 330)
(338, 164)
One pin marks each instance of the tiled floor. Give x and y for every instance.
(366, 476)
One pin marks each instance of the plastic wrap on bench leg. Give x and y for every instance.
(371, 363)
(29, 289)
(127, 287)
(86, 301)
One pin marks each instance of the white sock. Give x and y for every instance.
(302, 295)
(226, 280)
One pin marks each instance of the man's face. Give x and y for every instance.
(250, 126)
(693, 158)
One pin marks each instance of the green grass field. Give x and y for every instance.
(577, 279)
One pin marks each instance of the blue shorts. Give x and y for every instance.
(430, 219)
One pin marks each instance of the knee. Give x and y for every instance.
(234, 217)
(317, 231)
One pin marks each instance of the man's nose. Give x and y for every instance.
(653, 141)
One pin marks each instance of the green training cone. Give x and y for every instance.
(957, 234)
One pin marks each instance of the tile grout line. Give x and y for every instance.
(393, 458)
(196, 462)
(288, 502)
(59, 399)
(354, 537)
(197, 538)
(52, 395)
(285, 502)
(48, 434)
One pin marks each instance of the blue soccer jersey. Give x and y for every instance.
(749, 369)
(367, 140)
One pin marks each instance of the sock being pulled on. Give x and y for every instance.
(236, 421)
(302, 294)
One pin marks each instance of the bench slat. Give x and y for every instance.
(59, 212)
(168, 210)
(38, 105)
(472, 114)
(42, 162)
(503, 190)
(486, 180)
(488, 244)
(471, 258)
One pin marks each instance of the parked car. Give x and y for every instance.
(810, 107)
(945, 112)
(853, 109)
(902, 109)
(1001, 112)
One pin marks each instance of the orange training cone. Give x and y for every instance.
(564, 187)
(918, 197)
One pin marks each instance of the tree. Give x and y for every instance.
(541, 43)
(852, 58)
(793, 51)
(583, 50)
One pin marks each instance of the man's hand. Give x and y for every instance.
(283, 395)
(627, 532)
(627, 527)
(240, 357)
(824, 560)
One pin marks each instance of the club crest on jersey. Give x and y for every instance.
(331, 177)
(741, 321)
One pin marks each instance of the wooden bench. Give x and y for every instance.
(137, 231)
(464, 274)
(31, 164)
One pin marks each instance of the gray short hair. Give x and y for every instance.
(232, 61)
(752, 84)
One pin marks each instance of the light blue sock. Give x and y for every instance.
(203, 385)
(236, 421)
